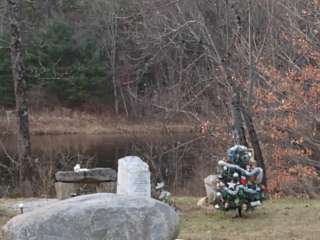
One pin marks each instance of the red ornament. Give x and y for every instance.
(243, 180)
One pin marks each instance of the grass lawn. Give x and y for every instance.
(283, 219)
(5, 215)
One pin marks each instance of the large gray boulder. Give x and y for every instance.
(101, 216)
(92, 175)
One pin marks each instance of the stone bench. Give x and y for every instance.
(70, 183)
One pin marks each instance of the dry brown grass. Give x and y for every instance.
(282, 219)
(5, 215)
(66, 121)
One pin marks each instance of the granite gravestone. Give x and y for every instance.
(133, 177)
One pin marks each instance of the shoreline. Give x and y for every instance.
(118, 130)
(66, 122)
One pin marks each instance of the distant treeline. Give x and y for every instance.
(154, 56)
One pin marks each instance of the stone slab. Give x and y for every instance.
(66, 190)
(133, 177)
(107, 187)
(92, 175)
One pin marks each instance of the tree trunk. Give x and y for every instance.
(254, 142)
(250, 55)
(238, 130)
(23, 136)
(114, 32)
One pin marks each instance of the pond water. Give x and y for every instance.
(182, 161)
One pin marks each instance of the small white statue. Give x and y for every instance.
(77, 168)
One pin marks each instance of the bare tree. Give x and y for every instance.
(18, 72)
(238, 129)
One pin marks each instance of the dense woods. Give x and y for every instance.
(183, 60)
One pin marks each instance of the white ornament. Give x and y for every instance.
(231, 185)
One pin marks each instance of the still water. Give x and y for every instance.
(181, 161)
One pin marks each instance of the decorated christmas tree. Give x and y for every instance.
(239, 185)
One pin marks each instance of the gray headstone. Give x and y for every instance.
(133, 177)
